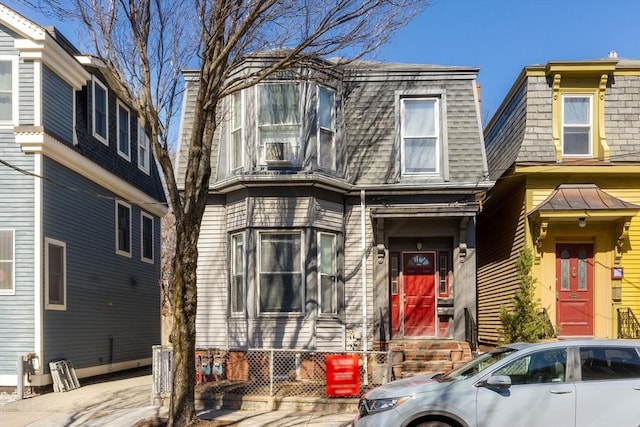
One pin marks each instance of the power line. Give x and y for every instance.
(76, 189)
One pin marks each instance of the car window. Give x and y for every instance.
(477, 365)
(607, 363)
(548, 366)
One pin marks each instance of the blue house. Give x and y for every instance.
(80, 207)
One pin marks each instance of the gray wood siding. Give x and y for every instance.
(282, 332)
(7, 41)
(17, 201)
(113, 301)
(504, 139)
(186, 123)
(211, 319)
(26, 93)
(236, 215)
(57, 107)
(279, 212)
(622, 118)
(330, 335)
(328, 215)
(353, 269)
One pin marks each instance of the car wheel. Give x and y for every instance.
(433, 424)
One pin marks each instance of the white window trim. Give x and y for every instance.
(294, 147)
(126, 156)
(301, 271)
(49, 306)
(438, 134)
(142, 136)
(590, 126)
(105, 139)
(11, 291)
(241, 129)
(15, 92)
(335, 273)
(232, 272)
(118, 250)
(151, 260)
(320, 129)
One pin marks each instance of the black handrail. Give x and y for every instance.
(628, 324)
(470, 329)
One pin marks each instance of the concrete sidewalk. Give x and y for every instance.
(124, 402)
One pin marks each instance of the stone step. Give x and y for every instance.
(403, 345)
(434, 366)
(427, 355)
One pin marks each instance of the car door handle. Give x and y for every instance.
(561, 391)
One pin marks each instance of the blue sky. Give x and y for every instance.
(501, 36)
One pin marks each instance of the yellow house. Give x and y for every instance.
(564, 150)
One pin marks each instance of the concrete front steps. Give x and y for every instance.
(420, 356)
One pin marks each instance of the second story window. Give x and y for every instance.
(236, 153)
(7, 261)
(326, 129)
(100, 112)
(419, 128)
(576, 125)
(124, 139)
(146, 237)
(8, 90)
(123, 229)
(279, 121)
(143, 150)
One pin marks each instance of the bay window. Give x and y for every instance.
(280, 271)
(326, 129)
(236, 149)
(328, 299)
(279, 121)
(237, 274)
(8, 89)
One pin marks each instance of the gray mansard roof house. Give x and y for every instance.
(80, 213)
(341, 201)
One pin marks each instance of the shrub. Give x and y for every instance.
(524, 320)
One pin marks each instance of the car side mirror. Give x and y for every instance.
(497, 382)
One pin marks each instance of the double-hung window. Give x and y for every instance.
(327, 273)
(280, 273)
(124, 132)
(123, 228)
(146, 237)
(577, 125)
(8, 90)
(236, 148)
(55, 274)
(100, 112)
(237, 274)
(279, 121)
(144, 151)
(7, 262)
(326, 129)
(420, 145)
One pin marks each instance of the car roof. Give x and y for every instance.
(585, 342)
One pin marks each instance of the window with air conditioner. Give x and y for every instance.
(279, 121)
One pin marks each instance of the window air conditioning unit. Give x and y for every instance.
(277, 152)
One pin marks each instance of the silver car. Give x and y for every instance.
(564, 383)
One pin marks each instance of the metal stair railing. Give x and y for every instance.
(628, 324)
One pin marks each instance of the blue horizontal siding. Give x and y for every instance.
(17, 213)
(103, 304)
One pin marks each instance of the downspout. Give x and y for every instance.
(363, 236)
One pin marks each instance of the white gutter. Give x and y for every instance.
(364, 284)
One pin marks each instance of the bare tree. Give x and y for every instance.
(144, 44)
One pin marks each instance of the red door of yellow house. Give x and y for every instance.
(574, 289)
(419, 298)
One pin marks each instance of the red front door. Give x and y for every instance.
(574, 287)
(419, 298)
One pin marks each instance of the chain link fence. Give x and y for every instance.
(284, 373)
